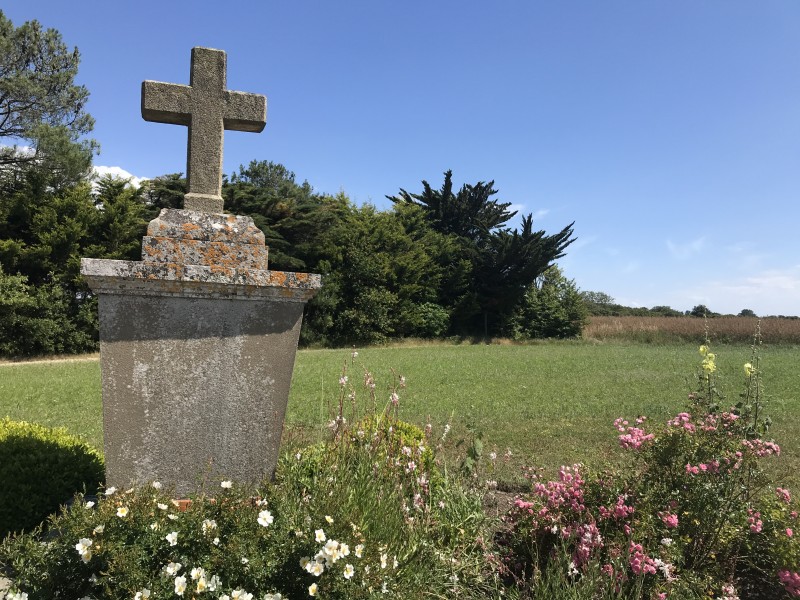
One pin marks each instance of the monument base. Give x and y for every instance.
(196, 359)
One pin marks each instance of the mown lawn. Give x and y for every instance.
(549, 403)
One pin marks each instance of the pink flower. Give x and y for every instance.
(789, 532)
(640, 563)
(790, 581)
(783, 494)
(755, 521)
(670, 520)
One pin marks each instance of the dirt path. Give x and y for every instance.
(55, 359)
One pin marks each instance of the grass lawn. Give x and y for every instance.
(550, 403)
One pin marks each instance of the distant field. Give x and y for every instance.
(550, 403)
(731, 330)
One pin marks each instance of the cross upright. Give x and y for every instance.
(207, 108)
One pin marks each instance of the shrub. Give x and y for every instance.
(341, 519)
(689, 513)
(40, 470)
(551, 308)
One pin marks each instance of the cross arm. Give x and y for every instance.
(166, 102)
(245, 112)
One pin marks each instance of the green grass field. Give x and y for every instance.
(550, 403)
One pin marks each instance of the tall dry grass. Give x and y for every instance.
(692, 329)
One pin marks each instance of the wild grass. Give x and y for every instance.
(549, 403)
(659, 330)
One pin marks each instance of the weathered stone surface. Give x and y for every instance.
(210, 227)
(207, 109)
(174, 279)
(194, 388)
(197, 252)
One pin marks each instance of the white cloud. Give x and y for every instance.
(772, 292)
(686, 250)
(540, 214)
(22, 150)
(118, 172)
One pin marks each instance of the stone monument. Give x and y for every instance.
(198, 339)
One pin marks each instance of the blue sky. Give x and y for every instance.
(669, 131)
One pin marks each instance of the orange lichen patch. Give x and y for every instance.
(190, 229)
(222, 270)
(277, 278)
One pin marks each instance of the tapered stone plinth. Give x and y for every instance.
(197, 347)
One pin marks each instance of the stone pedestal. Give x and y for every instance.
(197, 347)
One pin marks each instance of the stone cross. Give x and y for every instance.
(207, 108)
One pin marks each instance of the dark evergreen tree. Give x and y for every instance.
(495, 264)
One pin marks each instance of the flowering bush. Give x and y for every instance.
(351, 517)
(690, 514)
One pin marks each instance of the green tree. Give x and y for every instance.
(379, 282)
(293, 218)
(494, 265)
(746, 312)
(701, 310)
(41, 105)
(164, 191)
(120, 220)
(552, 308)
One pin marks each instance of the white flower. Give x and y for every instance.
(329, 518)
(265, 518)
(359, 550)
(173, 568)
(89, 504)
(17, 596)
(319, 535)
(226, 485)
(180, 585)
(312, 589)
(331, 551)
(145, 593)
(202, 585)
(344, 550)
(666, 541)
(316, 568)
(215, 541)
(208, 525)
(172, 517)
(572, 569)
(157, 485)
(304, 562)
(245, 560)
(162, 506)
(383, 561)
(122, 512)
(110, 491)
(172, 538)
(349, 571)
(214, 583)
(153, 526)
(241, 595)
(83, 548)
(99, 529)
